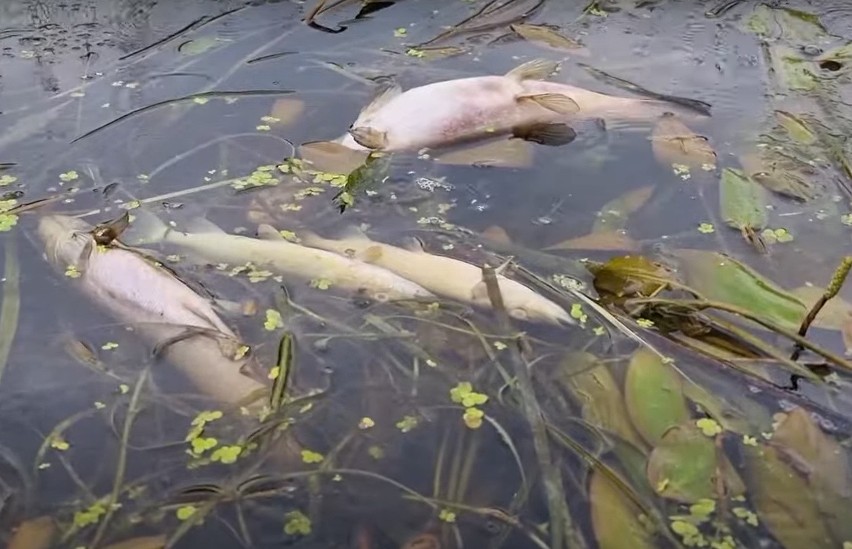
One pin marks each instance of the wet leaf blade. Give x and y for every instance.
(36, 533)
(742, 201)
(613, 216)
(721, 278)
(615, 518)
(653, 394)
(11, 307)
(674, 143)
(546, 35)
(783, 500)
(683, 466)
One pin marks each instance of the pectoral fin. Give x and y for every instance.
(552, 135)
(380, 100)
(369, 137)
(537, 69)
(268, 232)
(556, 102)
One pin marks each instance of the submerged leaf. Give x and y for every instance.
(613, 216)
(675, 144)
(784, 501)
(718, 277)
(653, 393)
(600, 398)
(617, 520)
(684, 466)
(796, 127)
(145, 542)
(286, 110)
(823, 463)
(545, 34)
(742, 201)
(500, 153)
(35, 533)
(599, 240)
(778, 174)
(331, 157)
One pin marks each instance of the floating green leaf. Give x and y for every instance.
(617, 520)
(742, 201)
(296, 522)
(718, 277)
(653, 393)
(684, 465)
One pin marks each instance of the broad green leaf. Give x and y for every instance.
(613, 216)
(616, 518)
(718, 277)
(653, 393)
(784, 501)
(629, 275)
(599, 395)
(742, 201)
(826, 467)
(684, 465)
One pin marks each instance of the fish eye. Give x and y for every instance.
(520, 313)
(381, 297)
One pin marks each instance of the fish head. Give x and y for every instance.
(539, 309)
(65, 238)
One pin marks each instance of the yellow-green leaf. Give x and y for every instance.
(742, 201)
(653, 393)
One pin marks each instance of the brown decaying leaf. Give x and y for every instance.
(630, 275)
(287, 110)
(783, 500)
(674, 143)
(548, 35)
(497, 233)
(823, 463)
(835, 315)
(328, 156)
(614, 214)
(36, 533)
(501, 153)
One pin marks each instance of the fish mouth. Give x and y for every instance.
(57, 232)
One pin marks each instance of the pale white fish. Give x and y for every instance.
(162, 310)
(520, 103)
(455, 111)
(445, 276)
(210, 243)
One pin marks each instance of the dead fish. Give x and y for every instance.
(162, 309)
(444, 276)
(520, 103)
(210, 243)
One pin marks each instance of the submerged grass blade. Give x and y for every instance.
(11, 307)
(562, 531)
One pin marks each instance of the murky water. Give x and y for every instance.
(383, 435)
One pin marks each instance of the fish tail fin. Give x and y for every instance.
(536, 69)
(145, 228)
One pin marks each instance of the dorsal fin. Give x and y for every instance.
(382, 99)
(536, 69)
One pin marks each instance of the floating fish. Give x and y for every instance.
(444, 276)
(520, 103)
(210, 243)
(163, 310)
